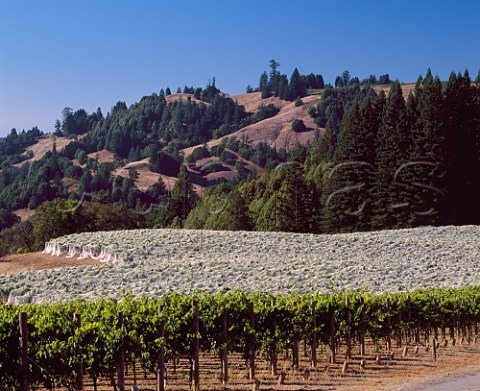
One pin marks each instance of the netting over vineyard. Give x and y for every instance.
(155, 262)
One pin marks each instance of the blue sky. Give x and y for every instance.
(89, 54)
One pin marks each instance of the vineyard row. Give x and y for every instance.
(58, 344)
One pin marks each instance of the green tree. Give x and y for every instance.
(462, 135)
(426, 170)
(58, 128)
(289, 209)
(263, 85)
(183, 197)
(348, 198)
(324, 148)
(391, 198)
(55, 219)
(298, 125)
(297, 87)
(233, 216)
(7, 219)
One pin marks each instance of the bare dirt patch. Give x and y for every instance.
(184, 98)
(276, 131)
(253, 100)
(103, 156)
(24, 214)
(406, 89)
(17, 263)
(44, 145)
(415, 372)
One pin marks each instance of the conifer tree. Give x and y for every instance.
(263, 85)
(462, 133)
(233, 216)
(347, 201)
(297, 87)
(326, 144)
(183, 197)
(294, 200)
(425, 173)
(390, 199)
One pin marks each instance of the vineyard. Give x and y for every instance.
(97, 342)
(155, 262)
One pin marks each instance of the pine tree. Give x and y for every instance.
(297, 87)
(294, 204)
(425, 173)
(267, 213)
(263, 85)
(347, 200)
(327, 144)
(462, 133)
(183, 197)
(234, 216)
(390, 199)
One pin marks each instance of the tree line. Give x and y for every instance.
(379, 162)
(383, 162)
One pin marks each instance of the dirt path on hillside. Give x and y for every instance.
(17, 263)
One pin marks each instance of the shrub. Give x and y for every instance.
(298, 125)
(265, 111)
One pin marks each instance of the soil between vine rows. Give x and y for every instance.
(389, 374)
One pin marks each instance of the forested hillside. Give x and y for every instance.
(199, 158)
(383, 162)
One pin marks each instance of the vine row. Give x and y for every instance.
(60, 343)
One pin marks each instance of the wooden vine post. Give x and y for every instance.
(332, 335)
(273, 353)
(409, 320)
(120, 357)
(389, 325)
(196, 348)
(475, 325)
(314, 335)
(23, 352)
(79, 366)
(362, 327)
(434, 350)
(295, 347)
(251, 369)
(161, 354)
(225, 349)
(400, 328)
(348, 353)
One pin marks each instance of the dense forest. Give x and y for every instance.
(384, 162)
(378, 162)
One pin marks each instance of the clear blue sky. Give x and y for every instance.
(89, 54)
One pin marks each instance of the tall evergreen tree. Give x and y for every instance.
(289, 209)
(425, 171)
(263, 85)
(462, 123)
(183, 197)
(297, 87)
(326, 144)
(347, 200)
(233, 216)
(391, 200)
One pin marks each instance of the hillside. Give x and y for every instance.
(406, 89)
(43, 145)
(169, 147)
(275, 131)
